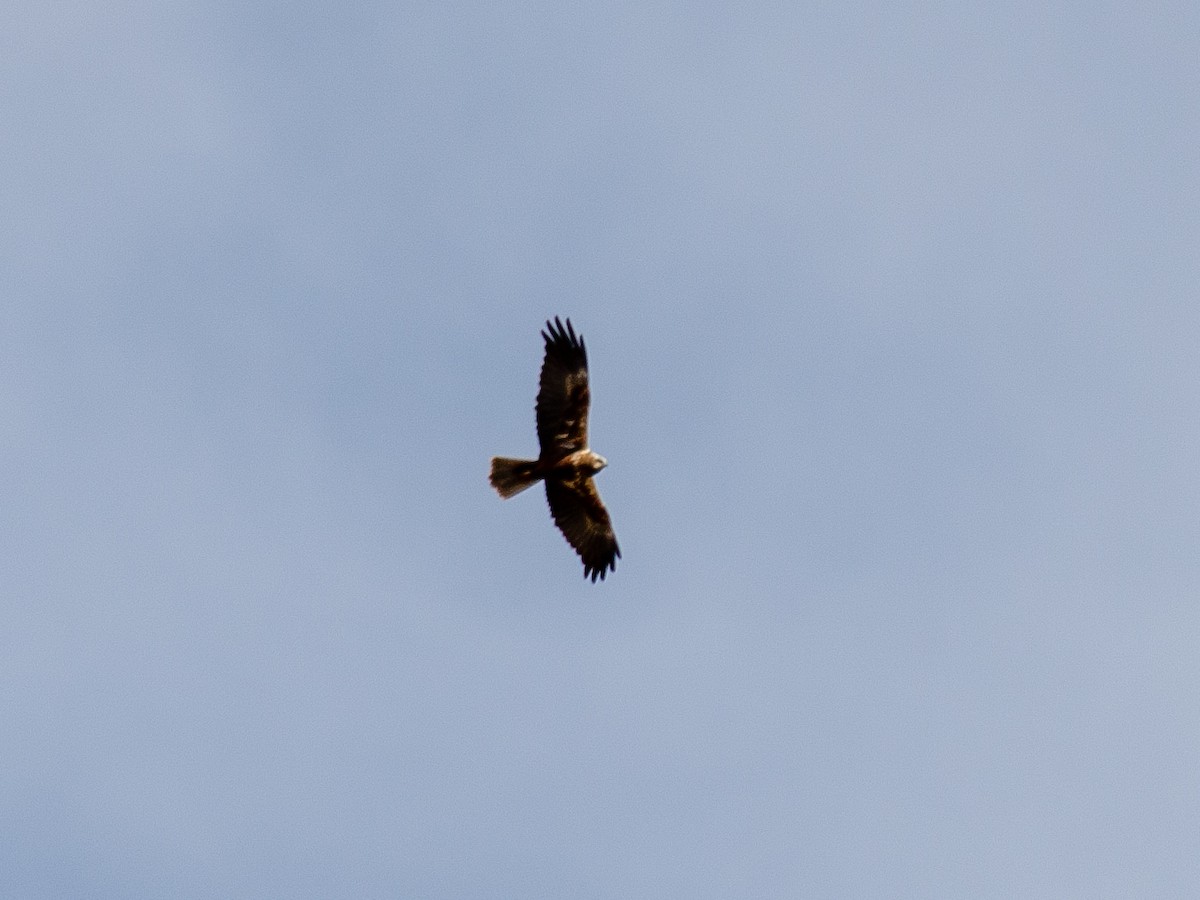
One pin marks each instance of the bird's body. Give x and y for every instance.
(565, 463)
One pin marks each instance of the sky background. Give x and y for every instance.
(893, 326)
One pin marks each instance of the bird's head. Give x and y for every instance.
(598, 463)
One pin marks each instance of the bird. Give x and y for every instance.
(565, 463)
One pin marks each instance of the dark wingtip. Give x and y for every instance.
(600, 571)
(558, 333)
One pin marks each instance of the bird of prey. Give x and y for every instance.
(566, 464)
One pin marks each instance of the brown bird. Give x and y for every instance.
(565, 462)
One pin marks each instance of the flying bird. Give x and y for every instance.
(565, 462)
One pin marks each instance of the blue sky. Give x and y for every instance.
(892, 319)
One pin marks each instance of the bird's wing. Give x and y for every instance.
(563, 396)
(581, 517)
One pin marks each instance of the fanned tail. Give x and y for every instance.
(511, 476)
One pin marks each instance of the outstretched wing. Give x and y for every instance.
(581, 517)
(563, 397)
